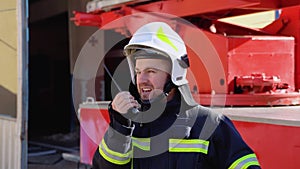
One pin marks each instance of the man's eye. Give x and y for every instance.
(151, 71)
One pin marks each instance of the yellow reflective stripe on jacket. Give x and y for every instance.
(113, 156)
(163, 37)
(244, 162)
(188, 145)
(141, 143)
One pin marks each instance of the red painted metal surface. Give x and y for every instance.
(259, 99)
(189, 7)
(244, 56)
(86, 19)
(170, 6)
(227, 8)
(214, 10)
(241, 57)
(100, 20)
(288, 24)
(261, 54)
(276, 146)
(93, 124)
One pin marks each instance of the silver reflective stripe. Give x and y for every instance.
(142, 143)
(112, 156)
(244, 162)
(185, 146)
(188, 145)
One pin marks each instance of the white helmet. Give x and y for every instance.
(160, 38)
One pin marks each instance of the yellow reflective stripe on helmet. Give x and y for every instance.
(163, 37)
(141, 143)
(112, 156)
(188, 145)
(244, 162)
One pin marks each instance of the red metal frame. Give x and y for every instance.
(242, 56)
(230, 49)
(216, 9)
(188, 8)
(276, 146)
(263, 99)
(100, 18)
(288, 24)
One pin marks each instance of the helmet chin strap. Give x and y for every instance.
(168, 87)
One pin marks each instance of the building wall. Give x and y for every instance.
(9, 146)
(10, 139)
(8, 57)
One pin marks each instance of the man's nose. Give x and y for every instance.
(142, 77)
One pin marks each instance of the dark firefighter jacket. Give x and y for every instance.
(180, 138)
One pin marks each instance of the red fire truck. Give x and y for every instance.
(252, 75)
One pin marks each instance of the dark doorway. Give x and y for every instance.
(50, 109)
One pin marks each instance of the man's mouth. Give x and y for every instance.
(146, 90)
(147, 93)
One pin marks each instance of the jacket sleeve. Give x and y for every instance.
(114, 151)
(230, 149)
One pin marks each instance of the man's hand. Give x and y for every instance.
(124, 101)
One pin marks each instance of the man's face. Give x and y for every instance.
(151, 77)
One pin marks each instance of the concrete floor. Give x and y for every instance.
(55, 161)
(58, 151)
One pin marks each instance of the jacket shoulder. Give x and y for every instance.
(206, 121)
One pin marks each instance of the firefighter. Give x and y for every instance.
(156, 124)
